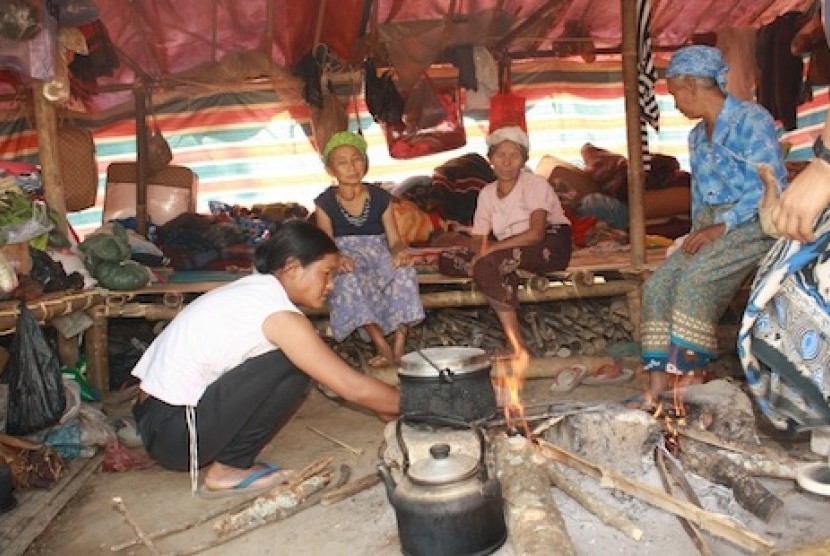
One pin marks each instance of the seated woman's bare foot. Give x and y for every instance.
(380, 361)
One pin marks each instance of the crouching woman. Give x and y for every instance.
(227, 373)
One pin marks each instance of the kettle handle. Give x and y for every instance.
(482, 463)
(402, 445)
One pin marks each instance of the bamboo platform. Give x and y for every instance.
(592, 273)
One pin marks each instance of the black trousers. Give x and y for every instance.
(237, 415)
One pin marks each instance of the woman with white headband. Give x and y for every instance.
(518, 224)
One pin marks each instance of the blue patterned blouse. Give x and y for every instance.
(724, 170)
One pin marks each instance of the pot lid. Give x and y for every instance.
(428, 362)
(442, 467)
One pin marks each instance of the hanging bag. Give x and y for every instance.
(36, 396)
(159, 154)
(506, 107)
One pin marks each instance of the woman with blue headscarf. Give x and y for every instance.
(686, 296)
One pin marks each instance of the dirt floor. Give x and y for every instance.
(365, 524)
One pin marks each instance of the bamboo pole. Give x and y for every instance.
(140, 95)
(47, 137)
(435, 300)
(636, 177)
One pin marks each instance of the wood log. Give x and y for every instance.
(533, 520)
(272, 506)
(714, 523)
(608, 515)
(707, 462)
(757, 460)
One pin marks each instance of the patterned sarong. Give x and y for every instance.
(687, 295)
(783, 343)
(375, 292)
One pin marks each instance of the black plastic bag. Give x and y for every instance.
(36, 395)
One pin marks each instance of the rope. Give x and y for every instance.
(190, 415)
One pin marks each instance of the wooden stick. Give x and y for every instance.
(534, 521)
(693, 532)
(548, 423)
(350, 489)
(166, 532)
(310, 470)
(352, 449)
(119, 504)
(714, 523)
(608, 515)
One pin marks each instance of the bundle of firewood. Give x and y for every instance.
(560, 329)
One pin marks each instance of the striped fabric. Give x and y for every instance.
(251, 148)
(646, 79)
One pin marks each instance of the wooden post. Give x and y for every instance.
(47, 137)
(95, 338)
(141, 159)
(636, 174)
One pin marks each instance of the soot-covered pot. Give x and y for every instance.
(447, 381)
(445, 505)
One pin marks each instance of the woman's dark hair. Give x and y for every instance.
(296, 239)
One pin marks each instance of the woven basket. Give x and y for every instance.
(79, 170)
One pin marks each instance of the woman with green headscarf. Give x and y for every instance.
(376, 291)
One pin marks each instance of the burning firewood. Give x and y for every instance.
(714, 523)
(749, 492)
(533, 519)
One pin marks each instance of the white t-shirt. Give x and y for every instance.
(510, 215)
(212, 335)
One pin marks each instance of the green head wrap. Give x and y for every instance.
(345, 138)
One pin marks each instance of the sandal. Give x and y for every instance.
(568, 378)
(610, 373)
(246, 486)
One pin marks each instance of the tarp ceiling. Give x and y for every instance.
(164, 38)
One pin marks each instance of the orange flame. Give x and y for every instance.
(512, 380)
(673, 417)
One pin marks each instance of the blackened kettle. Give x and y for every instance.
(446, 505)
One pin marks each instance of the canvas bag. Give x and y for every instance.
(159, 154)
(329, 119)
(432, 120)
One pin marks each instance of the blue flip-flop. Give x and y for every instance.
(244, 487)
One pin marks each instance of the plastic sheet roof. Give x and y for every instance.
(204, 40)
